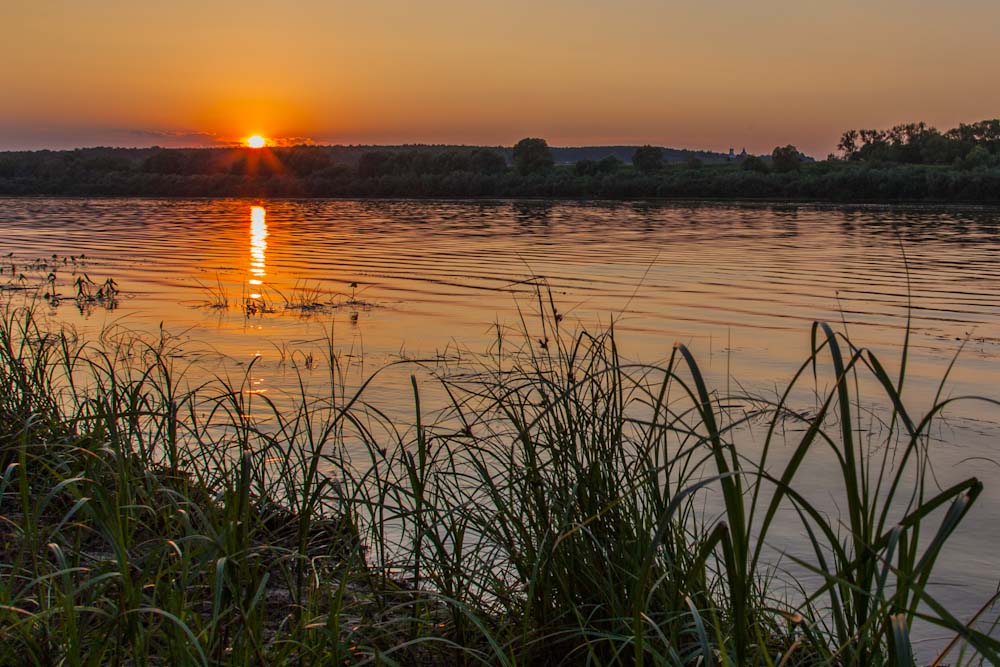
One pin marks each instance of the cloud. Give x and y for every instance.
(60, 138)
(172, 138)
(192, 139)
(292, 141)
(20, 137)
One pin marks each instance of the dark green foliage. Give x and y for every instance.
(609, 165)
(486, 161)
(979, 157)
(648, 159)
(786, 159)
(692, 162)
(165, 162)
(572, 155)
(755, 164)
(532, 156)
(374, 164)
(418, 163)
(306, 160)
(585, 168)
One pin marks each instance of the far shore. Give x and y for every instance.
(656, 200)
(476, 173)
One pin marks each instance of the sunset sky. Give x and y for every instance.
(709, 74)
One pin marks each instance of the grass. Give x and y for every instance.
(303, 299)
(568, 508)
(216, 296)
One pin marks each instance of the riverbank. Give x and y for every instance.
(554, 514)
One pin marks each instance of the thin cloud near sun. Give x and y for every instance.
(140, 138)
(263, 140)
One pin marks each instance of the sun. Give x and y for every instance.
(256, 141)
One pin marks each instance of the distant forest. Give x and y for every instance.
(912, 162)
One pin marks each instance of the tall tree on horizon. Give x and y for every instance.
(648, 159)
(532, 155)
(786, 158)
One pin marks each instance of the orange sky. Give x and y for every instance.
(708, 74)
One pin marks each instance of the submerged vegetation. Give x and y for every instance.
(911, 162)
(45, 276)
(566, 507)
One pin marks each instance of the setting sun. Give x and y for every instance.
(256, 141)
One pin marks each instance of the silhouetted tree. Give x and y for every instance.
(692, 161)
(848, 145)
(985, 133)
(978, 157)
(532, 156)
(918, 143)
(609, 165)
(648, 159)
(786, 158)
(939, 149)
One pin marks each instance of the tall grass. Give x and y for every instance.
(568, 507)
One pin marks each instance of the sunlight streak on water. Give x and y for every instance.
(258, 249)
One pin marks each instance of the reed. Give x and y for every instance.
(215, 295)
(565, 507)
(305, 298)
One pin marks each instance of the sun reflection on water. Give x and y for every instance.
(258, 248)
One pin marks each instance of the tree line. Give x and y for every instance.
(972, 145)
(906, 162)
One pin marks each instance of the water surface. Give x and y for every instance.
(739, 284)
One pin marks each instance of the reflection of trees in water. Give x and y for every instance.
(530, 215)
(964, 226)
(911, 223)
(786, 219)
(654, 221)
(643, 218)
